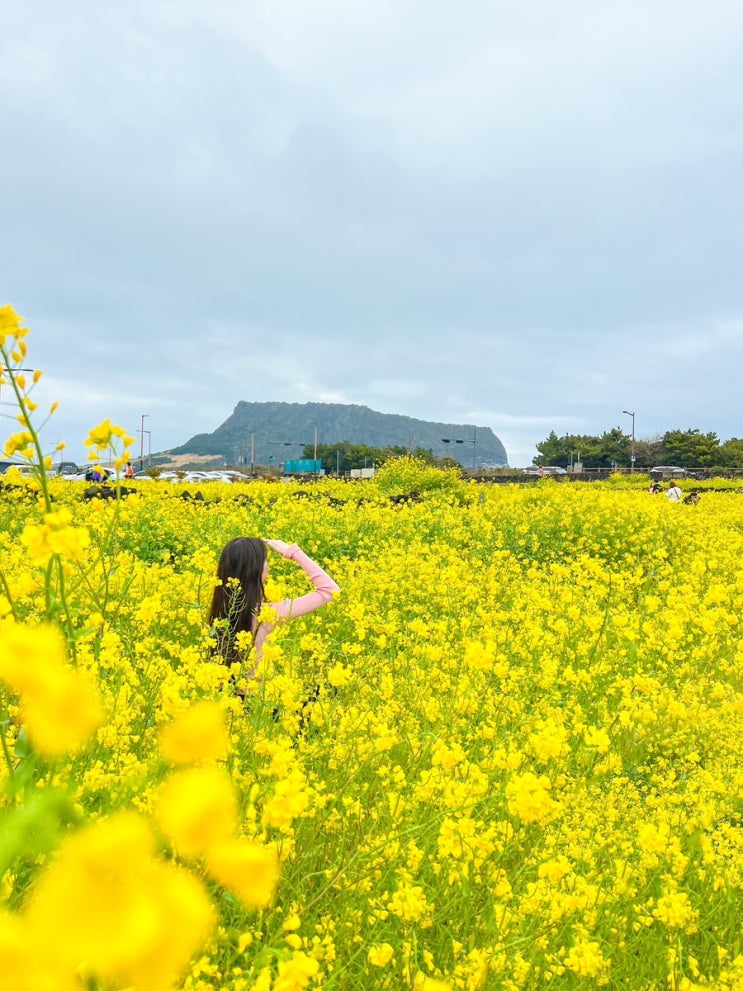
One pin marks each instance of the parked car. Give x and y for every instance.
(668, 471)
(545, 470)
(86, 475)
(28, 471)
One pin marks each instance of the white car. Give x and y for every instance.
(27, 471)
(545, 470)
(668, 471)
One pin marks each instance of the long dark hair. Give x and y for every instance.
(240, 594)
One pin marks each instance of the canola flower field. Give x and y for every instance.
(508, 756)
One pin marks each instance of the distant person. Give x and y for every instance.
(129, 470)
(655, 488)
(674, 492)
(693, 498)
(239, 596)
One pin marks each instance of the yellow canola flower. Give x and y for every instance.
(424, 983)
(26, 962)
(596, 737)
(102, 436)
(55, 536)
(197, 810)
(380, 956)
(586, 960)
(528, 797)
(250, 870)
(106, 903)
(10, 325)
(197, 736)
(296, 973)
(59, 708)
(290, 800)
(17, 442)
(675, 911)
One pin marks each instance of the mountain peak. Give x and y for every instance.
(281, 430)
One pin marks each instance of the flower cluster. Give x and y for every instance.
(508, 757)
(109, 442)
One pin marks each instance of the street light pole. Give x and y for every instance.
(141, 442)
(149, 448)
(456, 440)
(632, 414)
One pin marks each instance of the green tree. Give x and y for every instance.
(553, 451)
(614, 447)
(592, 451)
(731, 453)
(344, 456)
(691, 448)
(649, 452)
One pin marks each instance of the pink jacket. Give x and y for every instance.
(288, 609)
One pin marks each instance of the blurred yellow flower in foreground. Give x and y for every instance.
(197, 810)
(106, 903)
(59, 708)
(27, 965)
(197, 736)
(250, 870)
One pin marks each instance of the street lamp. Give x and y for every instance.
(252, 451)
(456, 440)
(632, 414)
(141, 442)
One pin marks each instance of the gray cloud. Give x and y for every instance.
(522, 216)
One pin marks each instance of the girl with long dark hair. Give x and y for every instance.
(240, 595)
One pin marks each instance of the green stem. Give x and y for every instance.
(69, 627)
(8, 596)
(6, 752)
(43, 480)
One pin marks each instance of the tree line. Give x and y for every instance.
(613, 448)
(687, 448)
(344, 456)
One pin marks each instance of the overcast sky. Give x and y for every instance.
(522, 215)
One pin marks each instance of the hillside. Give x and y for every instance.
(281, 431)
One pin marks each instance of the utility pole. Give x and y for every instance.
(141, 442)
(632, 414)
(456, 440)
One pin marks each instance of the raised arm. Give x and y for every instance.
(325, 587)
